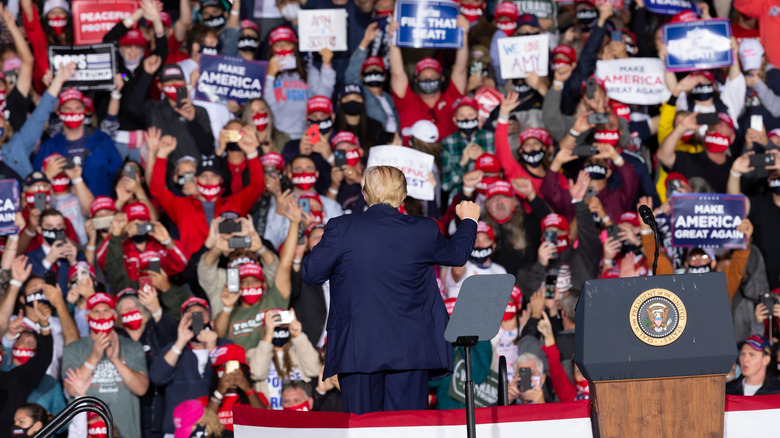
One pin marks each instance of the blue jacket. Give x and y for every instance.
(386, 312)
(16, 153)
(35, 258)
(182, 382)
(373, 106)
(99, 166)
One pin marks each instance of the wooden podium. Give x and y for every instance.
(657, 366)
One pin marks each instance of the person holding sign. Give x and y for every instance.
(53, 27)
(352, 254)
(289, 82)
(431, 101)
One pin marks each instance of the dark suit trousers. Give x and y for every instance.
(384, 391)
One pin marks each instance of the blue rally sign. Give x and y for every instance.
(671, 7)
(707, 220)
(9, 206)
(698, 45)
(224, 78)
(428, 24)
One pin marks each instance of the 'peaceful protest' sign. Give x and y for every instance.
(519, 56)
(322, 29)
(224, 78)
(428, 24)
(416, 166)
(707, 220)
(634, 80)
(698, 45)
(92, 19)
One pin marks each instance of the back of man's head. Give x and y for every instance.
(569, 306)
(384, 185)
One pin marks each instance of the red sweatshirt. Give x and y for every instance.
(187, 211)
(172, 261)
(40, 46)
(768, 14)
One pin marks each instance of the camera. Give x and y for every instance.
(229, 227)
(144, 228)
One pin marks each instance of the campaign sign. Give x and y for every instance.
(428, 24)
(9, 206)
(634, 80)
(224, 78)
(416, 166)
(521, 55)
(671, 7)
(488, 99)
(540, 8)
(322, 29)
(95, 65)
(698, 45)
(617, 4)
(707, 220)
(92, 19)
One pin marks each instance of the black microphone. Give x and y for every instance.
(648, 218)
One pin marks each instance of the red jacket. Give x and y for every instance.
(173, 261)
(187, 211)
(40, 48)
(564, 389)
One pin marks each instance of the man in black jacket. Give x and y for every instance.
(754, 357)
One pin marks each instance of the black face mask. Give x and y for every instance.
(36, 296)
(479, 255)
(325, 125)
(521, 88)
(701, 93)
(468, 126)
(207, 50)
(248, 44)
(699, 269)
(232, 146)
(533, 159)
(352, 108)
(374, 79)
(140, 239)
(50, 236)
(596, 171)
(88, 120)
(429, 86)
(217, 22)
(20, 431)
(281, 336)
(774, 184)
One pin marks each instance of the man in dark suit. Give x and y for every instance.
(387, 318)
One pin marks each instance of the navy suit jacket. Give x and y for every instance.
(35, 258)
(386, 312)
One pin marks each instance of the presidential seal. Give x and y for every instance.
(658, 317)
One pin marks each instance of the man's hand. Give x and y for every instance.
(536, 303)
(187, 110)
(229, 299)
(209, 338)
(525, 187)
(611, 248)
(467, 209)
(746, 227)
(577, 190)
(152, 63)
(167, 146)
(742, 164)
(20, 270)
(78, 385)
(112, 351)
(99, 347)
(509, 103)
(472, 178)
(160, 280)
(184, 331)
(295, 326)
(546, 251)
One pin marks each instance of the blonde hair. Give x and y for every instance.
(384, 185)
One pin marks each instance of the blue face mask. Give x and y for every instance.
(479, 255)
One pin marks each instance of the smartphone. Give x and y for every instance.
(673, 186)
(476, 69)
(305, 205)
(617, 36)
(71, 162)
(598, 118)
(239, 242)
(82, 273)
(551, 236)
(187, 177)
(233, 136)
(768, 300)
(340, 158)
(51, 278)
(762, 160)
(60, 236)
(590, 192)
(154, 265)
(129, 171)
(40, 201)
(144, 228)
(232, 365)
(524, 383)
(757, 122)
(229, 227)
(181, 94)
(585, 151)
(590, 87)
(612, 231)
(707, 119)
(313, 134)
(549, 286)
(197, 323)
(233, 281)
(146, 283)
(285, 317)
(103, 222)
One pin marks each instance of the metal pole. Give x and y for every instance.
(471, 427)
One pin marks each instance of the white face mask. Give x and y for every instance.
(132, 64)
(290, 11)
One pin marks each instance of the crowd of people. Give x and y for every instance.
(157, 262)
